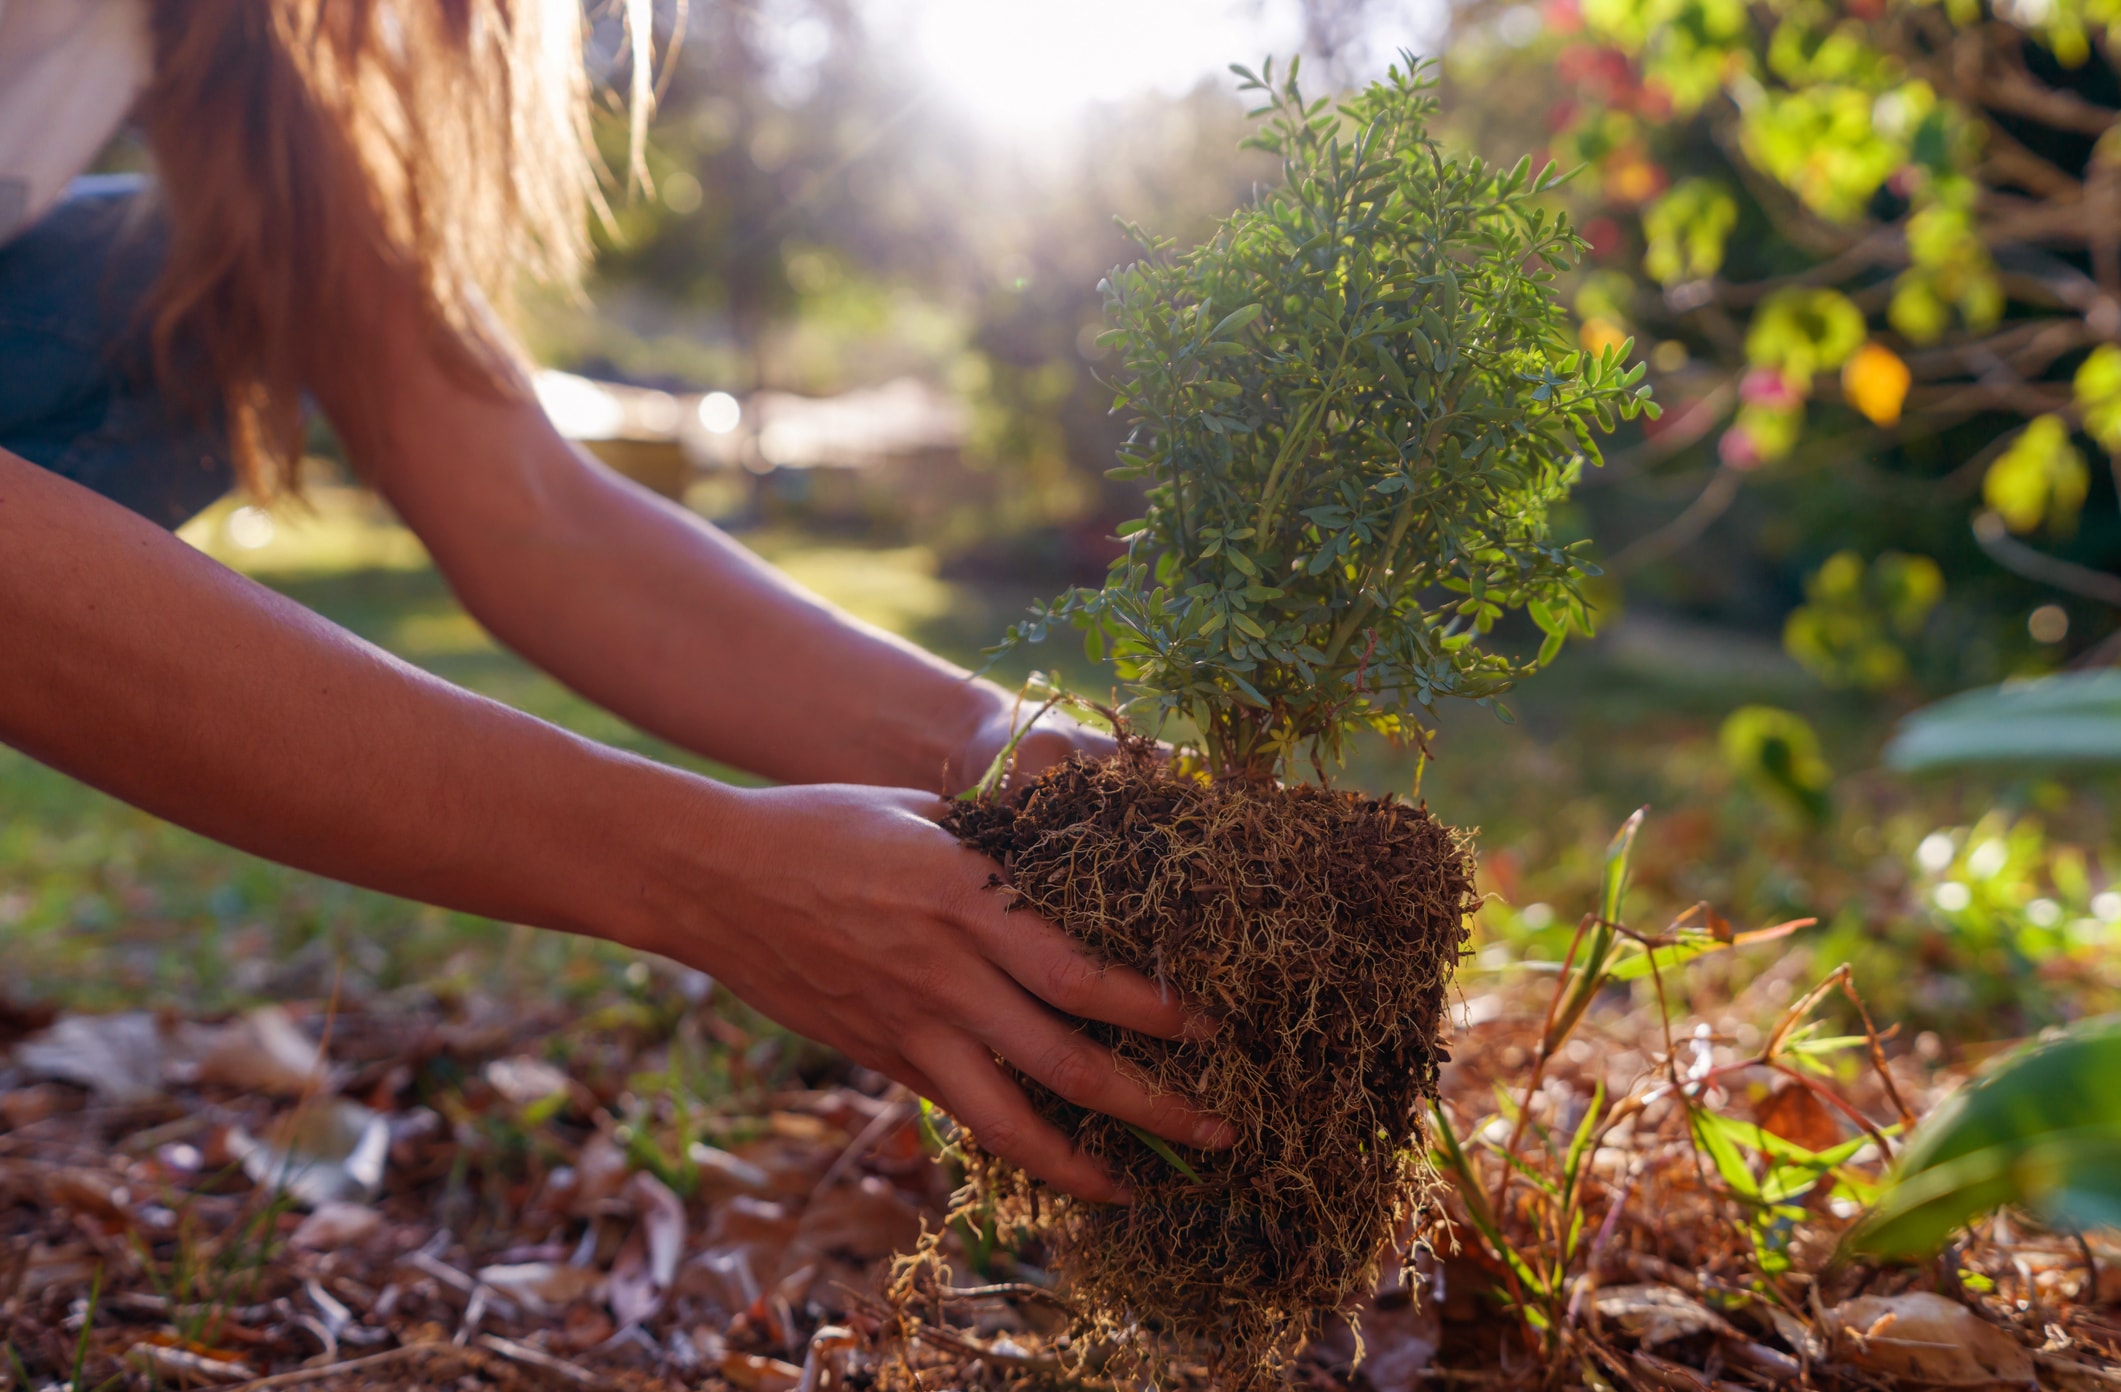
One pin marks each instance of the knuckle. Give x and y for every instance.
(928, 981)
(958, 897)
(1075, 1073)
(1069, 980)
(997, 1137)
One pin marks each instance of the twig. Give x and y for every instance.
(895, 1115)
(1012, 1290)
(363, 1364)
(541, 1360)
(1713, 502)
(2014, 555)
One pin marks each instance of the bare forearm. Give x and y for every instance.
(147, 670)
(654, 614)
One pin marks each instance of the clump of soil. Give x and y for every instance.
(1321, 928)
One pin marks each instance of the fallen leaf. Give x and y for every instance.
(599, 1173)
(264, 1051)
(544, 1286)
(865, 1221)
(92, 1194)
(662, 1223)
(2065, 1374)
(751, 1373)
(1926, 1338)
(524, 1080)
(722, 1174)
(72, 1265)
(118, 1057)
(1653, 1315)
(1795, 1113)
(335, 1226)
(322, 1152)
(584, 1327)
(22, 1107)
(647, 1266)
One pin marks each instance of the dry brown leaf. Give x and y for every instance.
(27, 1106)
(599, 1173)
(326, 1151)
(723, 1174)
(647, 1265)
(524, 1080)
(1653, 1315)
(751, 1373)
(1925, 1338)
(865, 1221)
(72, 1265)
(544, 1286)
(119, 1057)
(264, 1051)
(334, 1226)
(91, 1194)
(1795, 1113)
(2066, 1374)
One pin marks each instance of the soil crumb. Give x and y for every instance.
(1321, 928)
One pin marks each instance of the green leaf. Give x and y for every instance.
(1237, 320)
(1166, 1153)
(1613, 881)
(2042, 1130)
(1724, 1155)
(2071, 720)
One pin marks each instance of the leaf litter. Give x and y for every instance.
(552, 1208)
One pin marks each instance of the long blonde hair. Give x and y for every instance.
(452, 135)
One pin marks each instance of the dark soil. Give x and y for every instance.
(1322, 929)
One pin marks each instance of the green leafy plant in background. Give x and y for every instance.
(1778, 751)
(2041, 1131)
(1869, 254)
(1859, 620)
(2069, 721)
(1356, 407)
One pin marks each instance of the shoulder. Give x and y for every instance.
(69, 72)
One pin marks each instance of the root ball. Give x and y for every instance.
(1321, 928)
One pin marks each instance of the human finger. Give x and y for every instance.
(1055, 968)
(983, 1100)
(1080, 1070)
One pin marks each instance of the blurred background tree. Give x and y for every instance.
(1870, 250)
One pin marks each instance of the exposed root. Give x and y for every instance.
(1322, 928)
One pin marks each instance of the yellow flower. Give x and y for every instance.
(1875, 382)
(1598, 334)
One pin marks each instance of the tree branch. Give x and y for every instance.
(2015, 556)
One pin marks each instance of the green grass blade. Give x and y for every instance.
(1170, 1157)
(1615, 881)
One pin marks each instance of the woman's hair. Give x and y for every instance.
(296, 138)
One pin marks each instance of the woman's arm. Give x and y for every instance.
(133, 663)
(648, 610)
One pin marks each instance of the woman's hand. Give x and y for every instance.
(1052, 739)
(848, 915)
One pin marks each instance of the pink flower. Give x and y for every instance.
(1766, 386)
(1738, 449)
